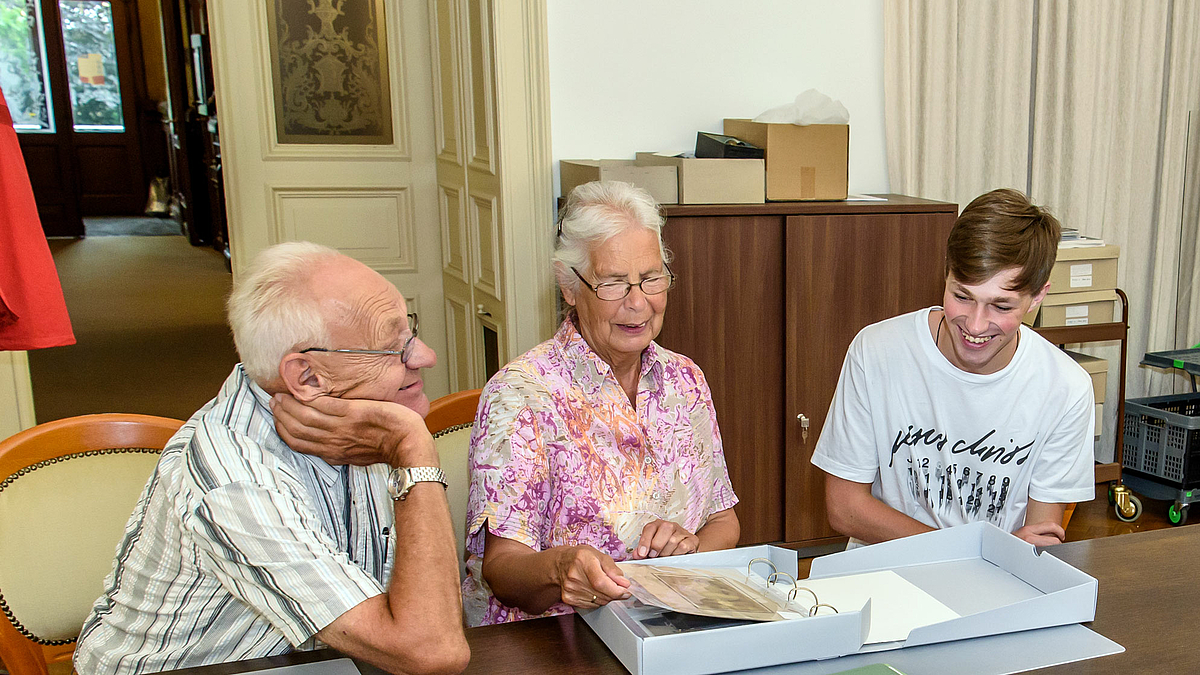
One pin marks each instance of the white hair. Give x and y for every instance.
(272, 310)
(595, 212)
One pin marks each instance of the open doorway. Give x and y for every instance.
(191, 124)
(110, 95)
(113, 103)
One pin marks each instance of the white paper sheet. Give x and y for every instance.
(897, 606)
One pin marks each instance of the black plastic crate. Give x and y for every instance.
(1162, 439)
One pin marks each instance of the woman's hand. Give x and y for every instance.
(534, 581)
(663, 538)
(588, 578)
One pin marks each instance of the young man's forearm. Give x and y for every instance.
(855, 512)
(873, 521)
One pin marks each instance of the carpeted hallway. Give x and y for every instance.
(148, 314)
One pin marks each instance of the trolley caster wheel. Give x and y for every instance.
(1177, 514)
(1134, 512)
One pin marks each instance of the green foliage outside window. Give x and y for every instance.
(21, 69)
(87, 28)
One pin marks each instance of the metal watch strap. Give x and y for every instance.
(416, 474)
(427, 474)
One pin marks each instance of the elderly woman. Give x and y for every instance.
(597, 445)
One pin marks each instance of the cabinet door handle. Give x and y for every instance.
(479, 310)
(803, 419)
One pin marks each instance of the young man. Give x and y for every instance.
(959, 413)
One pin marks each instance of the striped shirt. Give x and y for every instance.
(239, 547)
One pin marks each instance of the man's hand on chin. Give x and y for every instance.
(354, 431)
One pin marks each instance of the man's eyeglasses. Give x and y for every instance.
(405, 352)
(616, 290)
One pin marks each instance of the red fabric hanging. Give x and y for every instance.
(33, 314)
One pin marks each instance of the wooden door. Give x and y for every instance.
(491, 117)
(726, 314)
(469, 199)
(42, 118)
(844, 272)
(107, 146)
(350, 162)
(89, 162)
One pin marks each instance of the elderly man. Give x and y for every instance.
(268, 524)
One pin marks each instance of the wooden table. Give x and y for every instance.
(1148, 591)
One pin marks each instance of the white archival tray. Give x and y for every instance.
(721, 650)
(996, 582)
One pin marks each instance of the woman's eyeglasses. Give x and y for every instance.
(616, 290)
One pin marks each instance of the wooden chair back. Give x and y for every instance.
(452, 410)
(67, 488)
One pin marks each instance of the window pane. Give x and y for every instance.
(23, 74)
(91, 51)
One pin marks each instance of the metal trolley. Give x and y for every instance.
(1161, 444)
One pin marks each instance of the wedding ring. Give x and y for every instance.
(593, 599)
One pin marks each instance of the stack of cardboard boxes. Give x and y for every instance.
(799, 163)
(1082, 288)
(1098, 369)
(1082, 292)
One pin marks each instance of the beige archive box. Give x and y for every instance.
(661, 182)
(802, 162)
(1077, 309)
(707, 180)
(1097, 368)
(1089, 268)
(1099, 420)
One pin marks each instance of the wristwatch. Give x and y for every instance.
(402, 479)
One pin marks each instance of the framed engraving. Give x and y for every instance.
(330, 72)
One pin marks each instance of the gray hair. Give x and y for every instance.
(272, 310)
(595, 212)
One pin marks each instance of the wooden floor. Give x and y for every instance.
(1097, 519)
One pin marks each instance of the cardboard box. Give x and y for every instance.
(1090, 268)
(713, 181)
(1077, 309)
(995, 582)
(1099, 419)
(803, 162)
(662, 182)
(1097, 368)
(1030, 318)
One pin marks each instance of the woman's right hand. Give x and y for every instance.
(589, 578)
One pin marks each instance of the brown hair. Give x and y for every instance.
(1000, 230)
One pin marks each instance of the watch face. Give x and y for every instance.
(401, 480)
(399, 483)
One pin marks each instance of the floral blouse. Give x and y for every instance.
(559, 457)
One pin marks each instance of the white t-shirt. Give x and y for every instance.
(948, 447)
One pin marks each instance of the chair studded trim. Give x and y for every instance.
(450, 430)
(16, 623)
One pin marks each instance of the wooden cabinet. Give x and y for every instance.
(767, 300)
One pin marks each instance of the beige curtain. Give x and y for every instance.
(957, 91)
(1107, 88)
